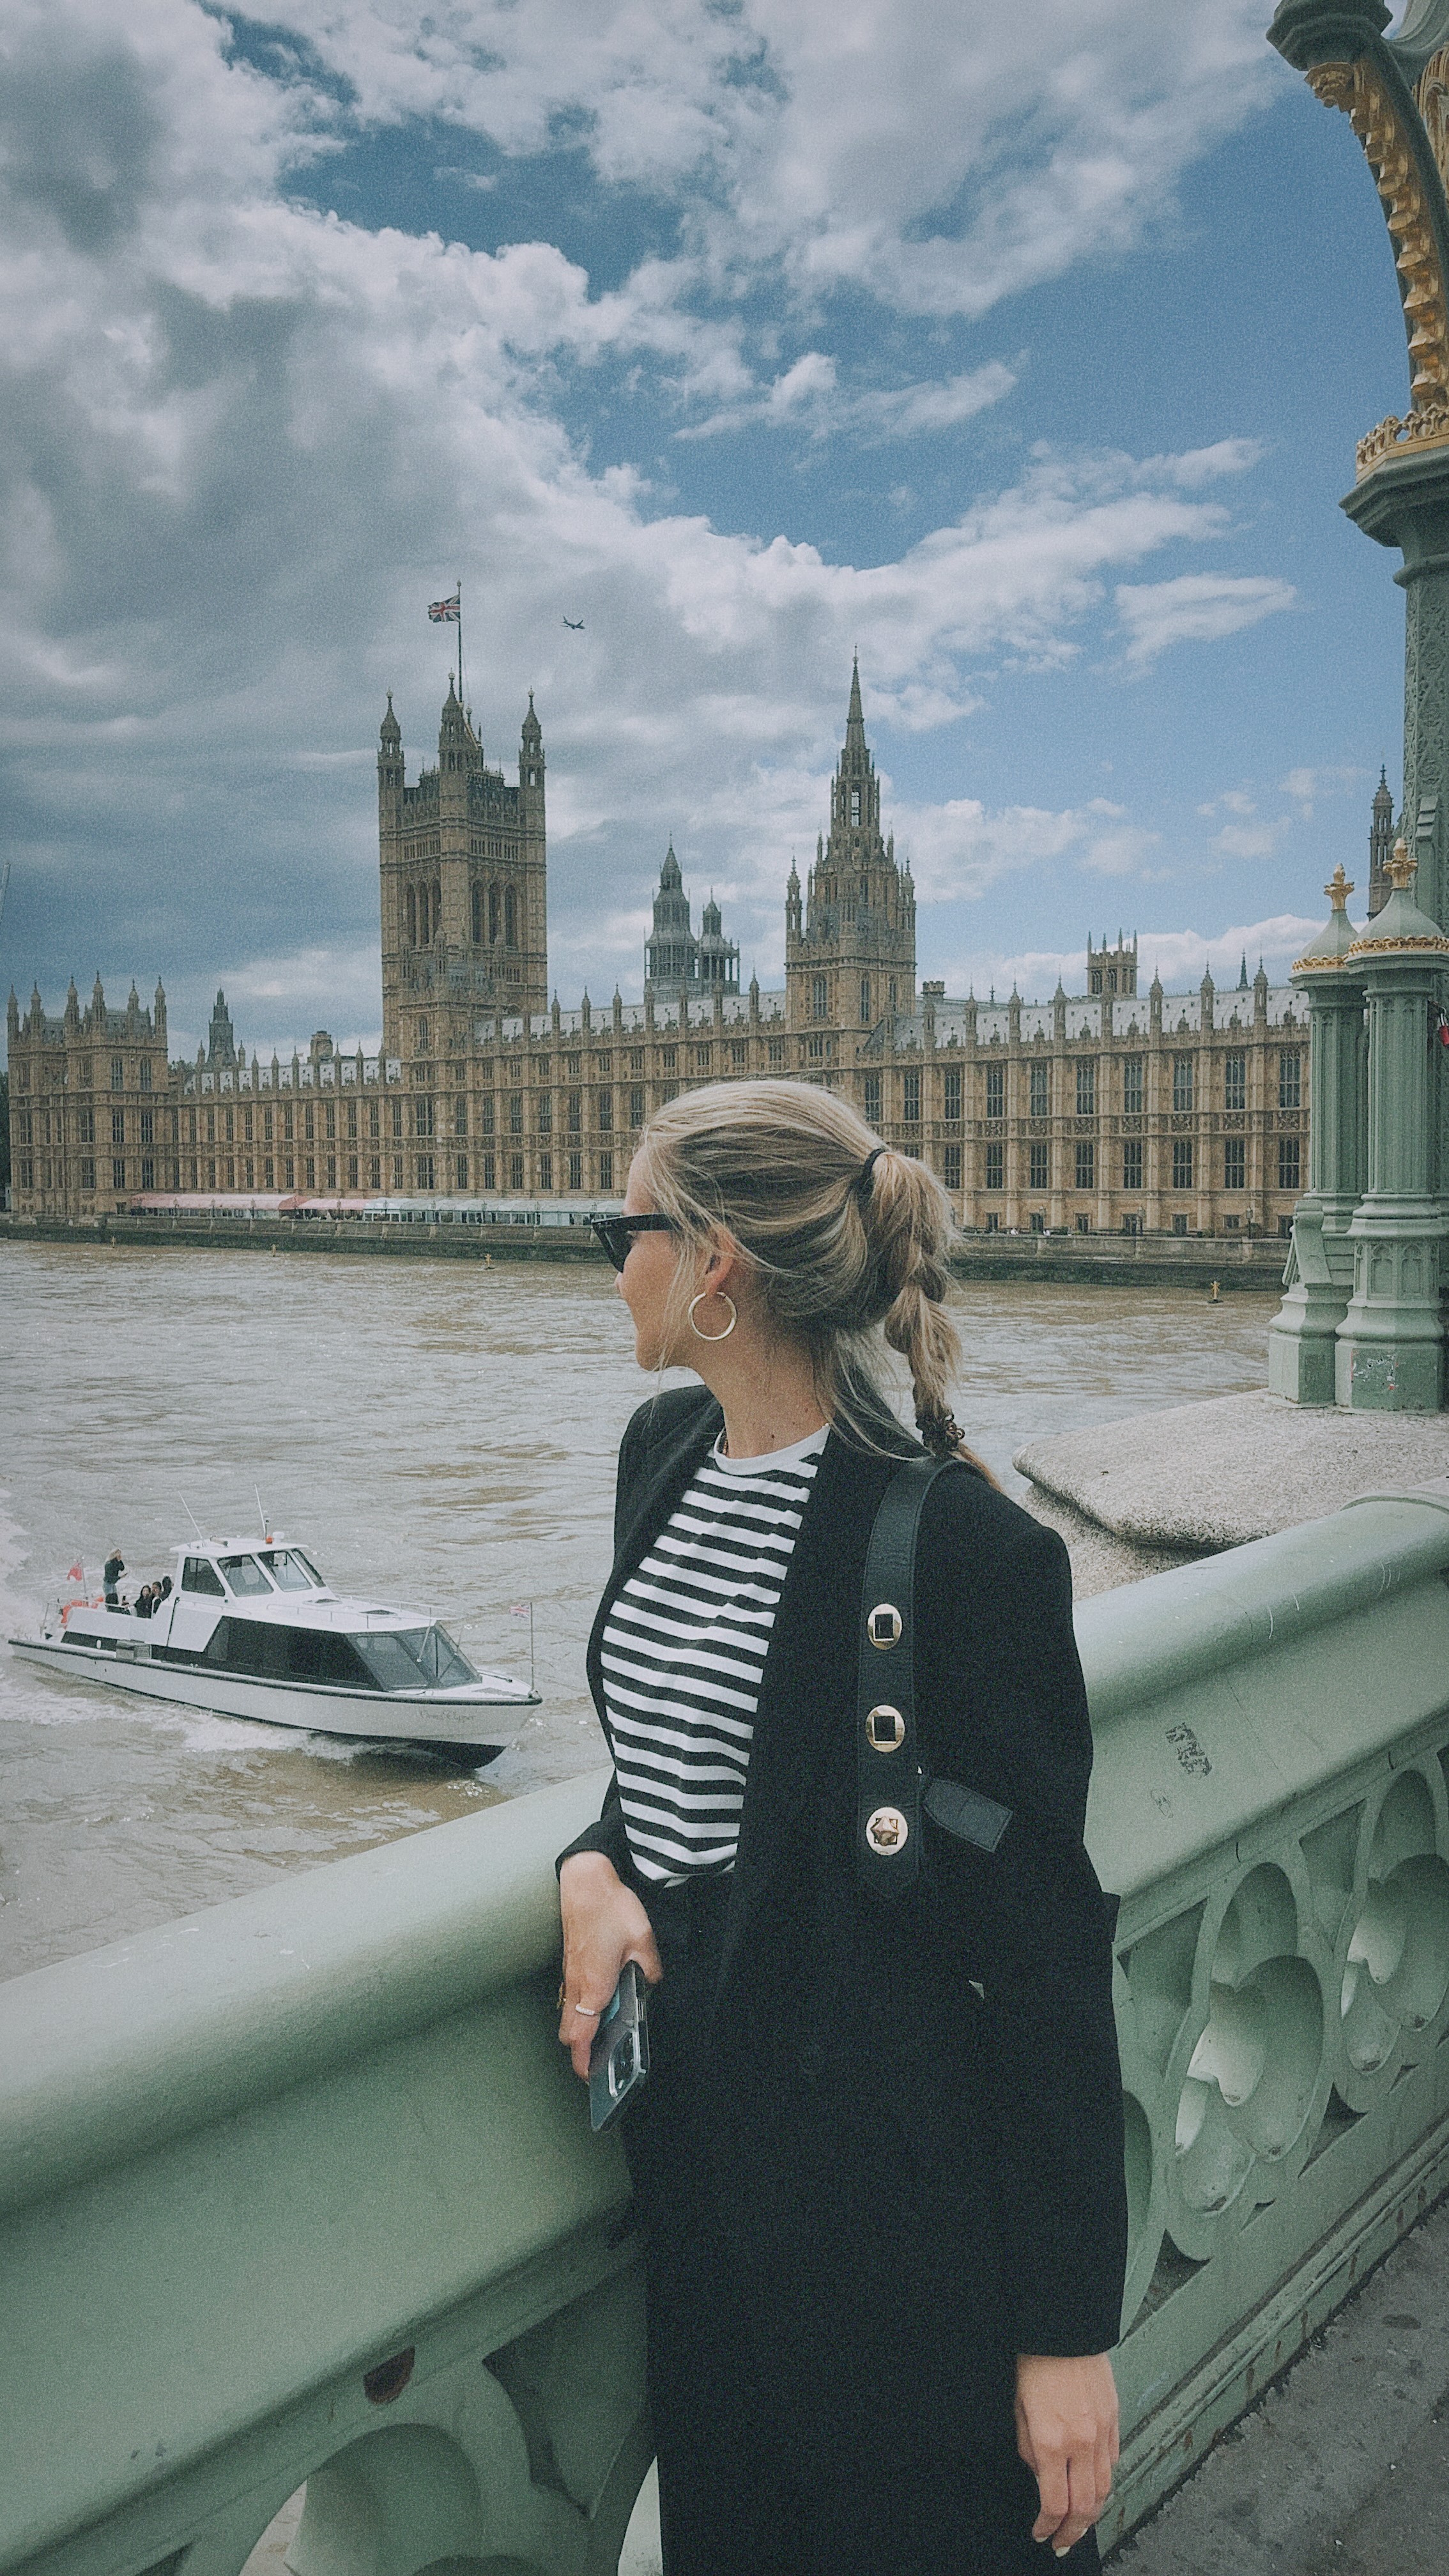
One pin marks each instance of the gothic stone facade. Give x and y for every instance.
(1110, 1112)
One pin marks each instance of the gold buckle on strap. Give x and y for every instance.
(885, 1729)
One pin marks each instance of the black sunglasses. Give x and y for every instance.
(616, 1233)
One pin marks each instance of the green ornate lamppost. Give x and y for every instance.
(1302, 1345)
(1388, 1335)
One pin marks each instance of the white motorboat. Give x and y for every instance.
(250, 1629)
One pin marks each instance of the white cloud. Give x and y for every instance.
(242, 444)
(1201, 465)
(810, 387)
(1307, 786)
(1248, 840)
(1196, 607)
(940, 159)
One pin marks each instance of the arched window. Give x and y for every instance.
(820, 998)
(412, 919)
(424, 910)
(510, 918)
(865, 998)
(865, 889)
(493, 916)
(477, 916)
(855, 804)
(421, 1040)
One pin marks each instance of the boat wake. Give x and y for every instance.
(13, 1554)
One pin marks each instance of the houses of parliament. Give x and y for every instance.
(1105, 1110)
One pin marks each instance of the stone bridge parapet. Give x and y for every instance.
(301, 2189)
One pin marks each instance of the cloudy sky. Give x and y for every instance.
(1024, 347)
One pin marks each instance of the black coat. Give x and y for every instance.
(913, 2181)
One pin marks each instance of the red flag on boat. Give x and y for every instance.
(77, 1573)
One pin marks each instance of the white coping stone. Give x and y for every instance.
(1235, 1467)
(1100, 1560)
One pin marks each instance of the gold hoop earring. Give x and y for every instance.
(724, 1301)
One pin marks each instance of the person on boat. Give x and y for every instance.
(878, 2159)
(115, 1567)
(145, 1600)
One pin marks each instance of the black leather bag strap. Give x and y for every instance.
(888, 1763)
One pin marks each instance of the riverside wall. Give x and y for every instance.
(1071, 1260)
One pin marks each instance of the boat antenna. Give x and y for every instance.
(261, 1515)
(191, 1516)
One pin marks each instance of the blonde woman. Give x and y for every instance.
(878, 2161)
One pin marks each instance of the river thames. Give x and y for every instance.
(440, 1436)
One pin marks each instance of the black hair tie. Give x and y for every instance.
(872, 1158)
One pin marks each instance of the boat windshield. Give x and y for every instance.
(243, 1575)
(290, 1571)
(409, 1659)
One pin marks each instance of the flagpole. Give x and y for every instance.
(459, 588)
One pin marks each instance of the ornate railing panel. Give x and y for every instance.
(301, 2188)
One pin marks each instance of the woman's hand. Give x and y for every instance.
(1066, 2431)
(603, 1925)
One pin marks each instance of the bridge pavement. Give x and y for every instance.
(1344, 2468)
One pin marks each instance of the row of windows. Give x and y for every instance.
(1184, 1164)
(431, 1171)
(1184, 1084)
(880, 997)
(735, 1058)
(142, 1175)
(495, 915)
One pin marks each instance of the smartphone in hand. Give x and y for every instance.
(619, 2063)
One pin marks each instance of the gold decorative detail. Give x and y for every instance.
(1402, 867)
(885, 1729)
(1431, 93)
(883, 1627)
(1427, 428)
(1358, 90)
(1366, 947)
(886, 1831)
(1338, 890)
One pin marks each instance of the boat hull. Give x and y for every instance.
(480, 1725)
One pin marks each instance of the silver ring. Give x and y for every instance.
(590, 2012)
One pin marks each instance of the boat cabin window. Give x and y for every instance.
(290, 1571)
(198, 1576)
(407, 1659)
(244, 1575)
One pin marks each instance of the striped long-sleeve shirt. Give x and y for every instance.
(683, 1649)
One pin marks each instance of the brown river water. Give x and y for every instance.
(435, 1435)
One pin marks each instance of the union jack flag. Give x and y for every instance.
(446, 612)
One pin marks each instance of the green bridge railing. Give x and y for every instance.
(301, 2189)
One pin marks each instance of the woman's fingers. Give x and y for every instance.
(1074, 2484)
(1050, 2471)
(1066, 2414)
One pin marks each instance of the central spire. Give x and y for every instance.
(855, 716)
